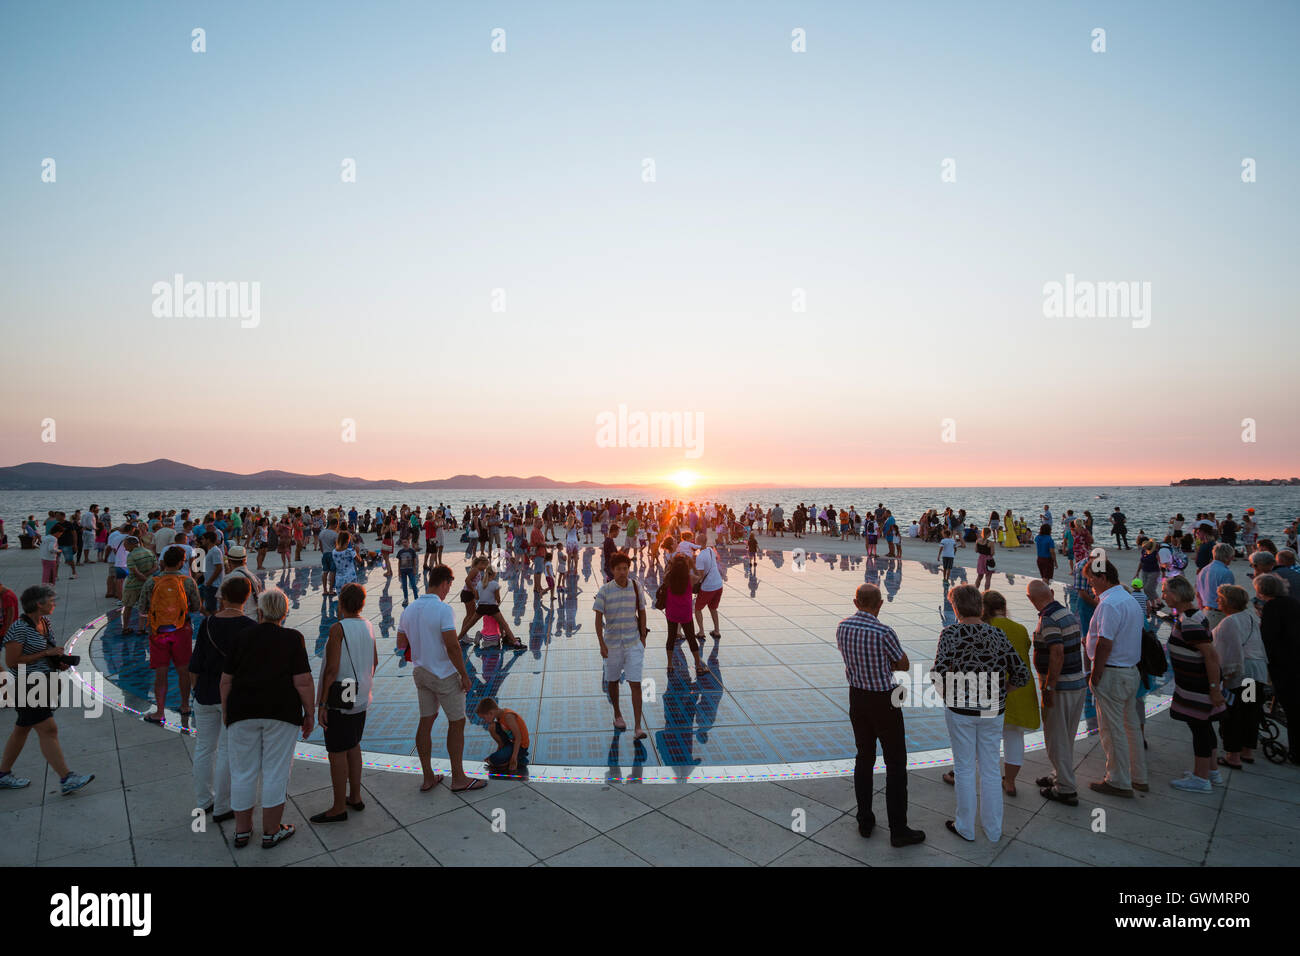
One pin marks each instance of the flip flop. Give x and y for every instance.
(153, 720)
(950, 779)
(1247, 759)
(641, 735)
(426, 786)
(620, 723)
(473, 785)
(1224, 763)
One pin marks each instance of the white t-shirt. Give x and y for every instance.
(947, 548)
(88, 524)
(213, 565)
(914, 531)
(115, 538)
(423, 623)
(707, 562)
(1119, 618)
(163, 538)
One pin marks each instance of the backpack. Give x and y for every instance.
(169, 607)
(1177, 560)
(1153, 662)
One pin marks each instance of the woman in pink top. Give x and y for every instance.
(679, 609)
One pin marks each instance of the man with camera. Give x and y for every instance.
(29, 645)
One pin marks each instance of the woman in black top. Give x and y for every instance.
(212, 648)
(267, 694)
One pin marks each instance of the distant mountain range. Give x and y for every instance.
(166, 475)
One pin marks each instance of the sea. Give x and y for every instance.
(1147, 508)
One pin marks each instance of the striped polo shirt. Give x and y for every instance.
(1057, 625)
(620, 606)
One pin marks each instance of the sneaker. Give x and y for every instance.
(75, 781)
(10, 782)
(1192, 784)
(1216, 777)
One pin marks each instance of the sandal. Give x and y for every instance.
(473, 785)
(950, 779)
(274, 839)
(148, 719)
(620, 723)
(1247, 759)
(241, 840)
(1225, 763)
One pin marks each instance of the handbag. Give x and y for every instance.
(343, 693)
(991, 564)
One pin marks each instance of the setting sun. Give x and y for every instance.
(684, 478)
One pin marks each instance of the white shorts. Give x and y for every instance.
(260, 747)
(625, 660)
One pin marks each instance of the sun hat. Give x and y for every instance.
(237, 551)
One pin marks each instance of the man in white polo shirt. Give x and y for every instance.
(428, 630)
(1112, 651)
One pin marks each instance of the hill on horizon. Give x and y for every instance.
(163, 474)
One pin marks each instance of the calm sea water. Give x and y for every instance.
(1147, 508)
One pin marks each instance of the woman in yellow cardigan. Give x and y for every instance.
(1022, 702)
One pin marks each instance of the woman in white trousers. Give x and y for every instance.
(267, 697)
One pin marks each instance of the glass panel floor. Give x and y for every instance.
(774, 703)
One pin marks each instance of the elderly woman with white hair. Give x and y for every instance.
(267, 696)
(1244, 666)
(975, 665)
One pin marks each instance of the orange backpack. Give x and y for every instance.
(169, 607)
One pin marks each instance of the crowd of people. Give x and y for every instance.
(183, 581)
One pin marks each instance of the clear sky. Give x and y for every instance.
(774, 171)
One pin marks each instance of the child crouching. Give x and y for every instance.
(509, 732)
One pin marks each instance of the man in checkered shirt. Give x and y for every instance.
(871, 654)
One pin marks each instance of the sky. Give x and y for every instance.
(799, 280)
